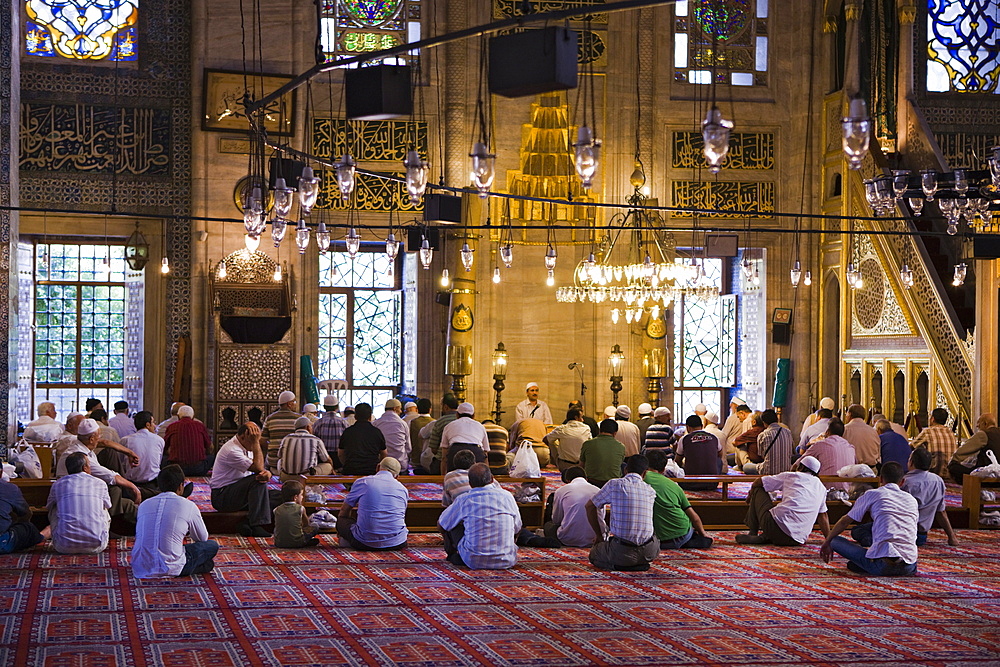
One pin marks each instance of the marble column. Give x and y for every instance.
(9, 107)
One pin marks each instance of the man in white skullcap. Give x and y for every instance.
(464, 432)
(302, 453)
(532, 407)
(645, 419)
(410, 411)
(330, 426)
(825, 403)
(396, 433)
(278, 424)
(628, 433)
(309, 410)
(736, 423)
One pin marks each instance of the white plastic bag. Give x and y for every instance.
(26, 461)
(525, 462)
(8, 472)
(323, 520)
(673, 470)
(991, 470)
(856, 470)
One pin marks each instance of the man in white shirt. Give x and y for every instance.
(78, 507)
(45, 428)
(410, 411)
(894, 513)
(628, 433)
(396, 433)
(149, 448)
(570, 524)
(566, 440)
(788, 523)
(711, 425)
(532, 407)
(816, 430)
(463, 433)
(239, 482)
(825, 403)
(736, 423)
(159, 549)
(123, 425)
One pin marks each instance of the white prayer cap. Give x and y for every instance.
(302, 422)
(737, 401)
(408, 405)
(331, 400)
(309, 407)
(286, 397)
(185, 411)
(466, 409)
(811, 462)
(87, 426)
(712, 417)
(609, 412)
(660, 411)
(700, 409)
(530, 385)
(827, 403)
(623, 411)
(645, 408)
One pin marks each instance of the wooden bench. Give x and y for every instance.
(422, 515)
(972, 499)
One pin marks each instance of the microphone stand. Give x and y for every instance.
(583, 388)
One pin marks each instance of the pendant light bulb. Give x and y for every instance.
(807, 280)
(906, 276)
(308, 190)
(466, 255)
(960, 273)
(796, 273)
(278, 228)
(416, 176)
(550, 258)
(105, 268)
(353, 242)
(221, 272)
(253, 214)
(277, 272)
(391, 247)
(165, 265)
(856, 133)
(496, 275)
(251, 242)
(346, 172)
(302, 236)
(445, 278)
(283, 196)
(615, 315)
(426, 253)
(483, 168)
(322, 237)
(550, 279)
(638, 177)
(507, 255)
(715, 133)
(587, 151)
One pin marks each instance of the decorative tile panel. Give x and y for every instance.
(251, 373)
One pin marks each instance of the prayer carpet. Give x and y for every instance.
(730, 605)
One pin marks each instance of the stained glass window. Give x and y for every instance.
(85, 30)
(729, 36)
(704, 346)
(82, 311)
(350, 27)
(963, 46)
(360, 333)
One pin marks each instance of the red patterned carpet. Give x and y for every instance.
(331, 606)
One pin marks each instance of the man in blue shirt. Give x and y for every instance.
(16, 530)
(894, 447)
(373, 516)
(479, 527)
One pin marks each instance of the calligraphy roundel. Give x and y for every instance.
(461, 318)
(656, 328)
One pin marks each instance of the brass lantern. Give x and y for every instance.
(136, 250)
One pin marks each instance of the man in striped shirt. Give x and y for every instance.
(938, 439)
(277, 425)
(456, 482)
(125, 496)
(631, 545)
(479, 527)
(302, 453)
(329, 427)
(78, 507)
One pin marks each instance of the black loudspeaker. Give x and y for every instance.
(288, 169)
(533, 62)
(378, 92)
(986, 246)
(415, 235)
(722, 245)
(781, 334)
(443, 209)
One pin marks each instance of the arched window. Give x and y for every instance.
(83, 30)
(963, 46)
(350, 27)
(729, 36)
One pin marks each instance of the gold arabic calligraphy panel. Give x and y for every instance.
(510, 8)
(735, 198)
(370, 140)
(747, 150)
(94, 139)
(370, 194)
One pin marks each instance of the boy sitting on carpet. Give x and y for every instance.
(291, 526)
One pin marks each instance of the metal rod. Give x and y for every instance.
(457, 35)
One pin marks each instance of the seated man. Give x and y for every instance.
(121, 422)
(893, 446)
(631, 544)
(45, 428)
(373, 516)
(893, 550)
(17, 533)
(479, 527)
(660, 434)
(124, 495)
(699, 453)
(972, 453)
(566, 440)
(816, 430)
(188, 444)
(159, 549)
(602, 457)
(456, 482)
(301, 453)
(928, 489)
(239, 481)
(570, 524)
(78, 509)
(463, 434)
(675, 523)
(149, 448)
(362, 445)
(787, 524)
(832, 451)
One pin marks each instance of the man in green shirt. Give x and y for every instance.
(602, 457)
(675, 523)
